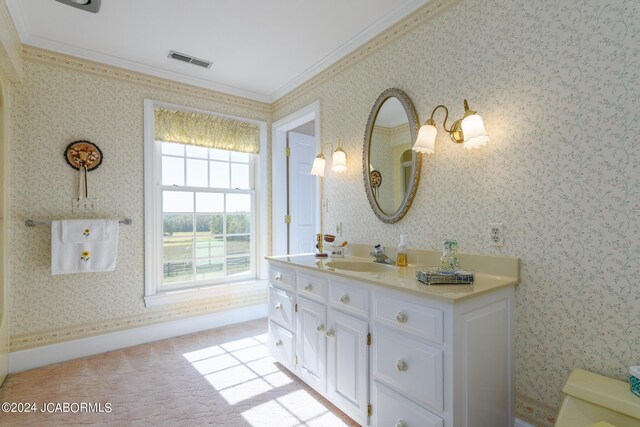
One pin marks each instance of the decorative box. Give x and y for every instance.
(634, 379)
(437, 276)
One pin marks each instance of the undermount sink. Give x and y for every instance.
(360, 266)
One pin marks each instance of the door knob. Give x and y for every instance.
(402, 423)
(344, 299)
(278, 277)
(278, 306)
(308, 287)
(330, 333)
(320, 327)
(279, 342)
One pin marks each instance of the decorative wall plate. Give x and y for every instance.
(83, 153)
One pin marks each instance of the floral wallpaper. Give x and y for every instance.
(557, 86)
(59, 100)
(10, 61)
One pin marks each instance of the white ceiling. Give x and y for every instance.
(391, 114)
(260, 49)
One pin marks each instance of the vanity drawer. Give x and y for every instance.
(281, 308)
(393, 410)
(425, 322)
(311, 286)
(281, 345)
(349, 297)
(412, 367)
(282, 277)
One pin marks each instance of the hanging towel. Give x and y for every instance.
(83, 246)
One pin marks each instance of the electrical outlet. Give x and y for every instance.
(84, 205)
(496, 235)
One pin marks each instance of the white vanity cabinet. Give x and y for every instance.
(389, 356)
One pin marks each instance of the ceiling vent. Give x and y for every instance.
(190, 59)
(88, 5)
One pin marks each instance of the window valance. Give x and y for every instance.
(206, 130)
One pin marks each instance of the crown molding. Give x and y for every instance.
(413, 20)
(360, 39)
(105, 70)
(114, 61)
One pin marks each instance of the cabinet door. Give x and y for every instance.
(347, 372)
(312, 344)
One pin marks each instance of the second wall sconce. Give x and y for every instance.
(469, 130)
(338, 158)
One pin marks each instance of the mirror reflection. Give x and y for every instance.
(390, 156)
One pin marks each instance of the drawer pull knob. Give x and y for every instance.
(345, 299)
(278, 277)
(401, 317)
(401, 365)
(320, 327)
(279, 342)
(308, 287)
(402, 423)
(278, 306)
(330, 333)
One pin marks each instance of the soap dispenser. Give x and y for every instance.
(402, 258)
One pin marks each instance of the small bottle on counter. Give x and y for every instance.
(402, 260)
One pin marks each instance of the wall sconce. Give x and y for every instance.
(468, 130)
(338, 159)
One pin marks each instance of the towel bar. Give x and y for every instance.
(32, 223)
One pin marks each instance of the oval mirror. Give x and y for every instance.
(391, 168)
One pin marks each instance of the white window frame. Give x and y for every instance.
(154, 294)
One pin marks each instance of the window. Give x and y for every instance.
(202, 214)
(208, 215)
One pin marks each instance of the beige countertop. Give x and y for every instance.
(404, 278)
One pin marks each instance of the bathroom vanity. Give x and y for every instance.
(390, 351)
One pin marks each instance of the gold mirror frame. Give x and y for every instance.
(412, 117)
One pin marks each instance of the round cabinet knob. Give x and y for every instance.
(330, 333)
(278, 277)
(401, 365)
(279, 342)
(320, 328)
(345, 299)
(401, 317)
(308, 287)
(278, 306)
(402, 423)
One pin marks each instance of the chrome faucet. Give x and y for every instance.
(380, 256)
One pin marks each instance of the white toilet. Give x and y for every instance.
(596, 401)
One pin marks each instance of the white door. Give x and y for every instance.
(312, 344)
(347, 371)
(302, 190)
(302, 194)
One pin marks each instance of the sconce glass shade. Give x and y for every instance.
(339, 161)
(426, 141)
(475, 136)
(318, 165)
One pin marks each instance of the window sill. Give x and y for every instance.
(196, 294)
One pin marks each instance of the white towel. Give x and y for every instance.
(83, 246)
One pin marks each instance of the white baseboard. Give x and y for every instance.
(520, 423)
(55, 353)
